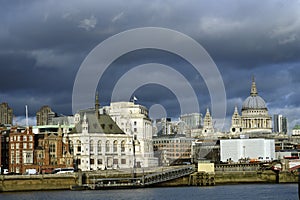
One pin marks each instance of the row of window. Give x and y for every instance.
(19, 138)
(27, 158)
(256, 111)
(171, 141)
(178, 155)
(100, 161)
(99, 146)
(176, 150)
(174, 145)
(25, 146)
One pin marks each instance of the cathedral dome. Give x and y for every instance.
(254, 101)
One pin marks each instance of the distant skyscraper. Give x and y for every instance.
(284, 125)
(164, 126)
(280, 124)
(6, 114)
(192, 120)
(44, 116)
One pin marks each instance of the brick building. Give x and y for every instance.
(21, 150)
(52, 150)
(42, 152)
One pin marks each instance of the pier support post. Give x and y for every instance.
(79, 177)
(277, 176)
(1, 183)
(299, 183)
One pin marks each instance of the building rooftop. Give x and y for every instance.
(296, 127)
(254, 101)
(103, 124)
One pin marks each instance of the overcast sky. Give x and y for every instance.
(43, 43)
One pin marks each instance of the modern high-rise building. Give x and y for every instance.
(6, 114)
(279, 124)
(163, 126)
(192, 120)
(44, 116)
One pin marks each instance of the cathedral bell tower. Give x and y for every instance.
(207, 123)
(236, 122)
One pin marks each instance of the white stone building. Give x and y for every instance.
(254, 118)
(296, 130)
(98, 143)
(134, 121)
(236, 149)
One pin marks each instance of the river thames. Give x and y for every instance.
(248, 191)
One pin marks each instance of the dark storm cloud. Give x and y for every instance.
(42, 44)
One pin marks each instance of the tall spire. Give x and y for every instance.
(207, 112)
(236, 110)
(97, 104)
(253, 92)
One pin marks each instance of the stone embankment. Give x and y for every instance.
(10, 183)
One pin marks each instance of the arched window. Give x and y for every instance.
(123, 146)
(107, 146)
(91, 146)
(99, 146)
(115, 147)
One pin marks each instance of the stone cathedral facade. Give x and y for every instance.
(254, 118)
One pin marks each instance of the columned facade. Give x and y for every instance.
(98, 143)
(134, 121)
(255, 117)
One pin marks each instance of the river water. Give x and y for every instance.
(244, 192)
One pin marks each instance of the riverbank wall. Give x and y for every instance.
(239, 177)
(10, 183)
(65, 181)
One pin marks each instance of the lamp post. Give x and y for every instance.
(134, 159)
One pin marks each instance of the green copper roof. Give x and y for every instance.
(296, 127)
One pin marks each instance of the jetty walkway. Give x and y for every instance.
(147, 179)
